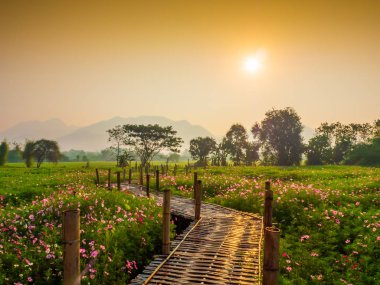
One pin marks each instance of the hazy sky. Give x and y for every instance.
(85, 61)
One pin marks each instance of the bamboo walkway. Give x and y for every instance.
(223, 247)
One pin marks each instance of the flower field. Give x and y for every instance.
(119, 232)
(329, 216)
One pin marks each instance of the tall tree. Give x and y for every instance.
(201, 148)
(148, 140)
(279, 136)
(116, 135)
(46, 149)
(28, 153)
(236, 143)
(251, 153)
(333, 142)
(220, 153)
(319, 150)
(4, 148)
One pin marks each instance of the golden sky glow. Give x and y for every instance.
(84, 61)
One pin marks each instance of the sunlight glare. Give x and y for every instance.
(254, 63)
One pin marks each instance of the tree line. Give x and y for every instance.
(276, 140)
(34, 151)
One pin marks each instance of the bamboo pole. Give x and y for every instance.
(147, 184)
(271, 255)
(195, 182)
(198, 200)
(157, 179)
(124, 174)
(109, 178)
(130, 176)
(268, 209)
(97, 176)
(71, 239)
(118, 180)
(166, 223)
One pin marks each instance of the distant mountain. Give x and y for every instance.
(94, 137)
(33, 130)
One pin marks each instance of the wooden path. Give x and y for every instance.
(223, 247)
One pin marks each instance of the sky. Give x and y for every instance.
(86, 61)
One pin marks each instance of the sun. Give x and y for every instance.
(253, 64)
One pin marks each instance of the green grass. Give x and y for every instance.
(329, 216)
(119, 231)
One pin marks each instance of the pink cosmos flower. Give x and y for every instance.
(94, 254)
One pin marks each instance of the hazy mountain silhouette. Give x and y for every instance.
(51, 129)
(94, 137)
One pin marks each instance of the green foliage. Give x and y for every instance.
(334, 142)
(148, 140)
(319, 150)
(365, 154)
(4, 148)
(236, 143)
(15, 154)
(46, 149)
(220, 154)
(279, 136)
(200, 149)
(120, 232)
(28, 153)
(328, 216)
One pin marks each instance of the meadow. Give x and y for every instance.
(329, 219)
(119, 231)
(329, 216)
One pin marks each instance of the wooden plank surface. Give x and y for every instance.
(223, 248)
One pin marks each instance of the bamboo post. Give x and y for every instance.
(124, 173)
(268, 205)
(195, 182)
(141, 176)
(166, 223)
(157, 179)
(109, 178)
(97, 176)
(271, 255)
(130, 176)
(198, 200)
(118, 180)
(71, 241)
(147, 185)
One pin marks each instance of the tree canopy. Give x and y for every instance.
(333, 142)
(148, 140)
(46, 150)
(4, 148)
(236, 143)
(279, 137)
(116, 135)
(201, 148)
